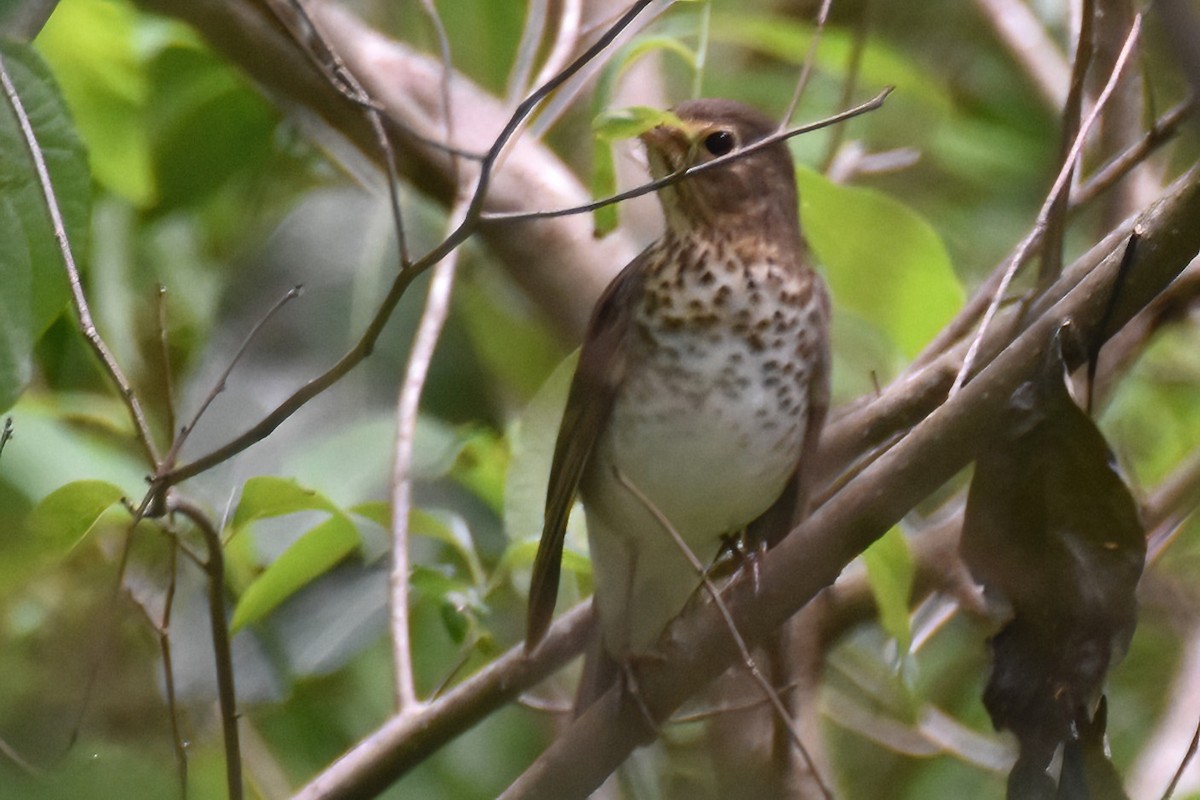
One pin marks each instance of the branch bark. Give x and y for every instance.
(813, 555)
(557, 262)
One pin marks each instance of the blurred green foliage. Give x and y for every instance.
(173, 171)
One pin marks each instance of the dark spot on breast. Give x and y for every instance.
(707, 278)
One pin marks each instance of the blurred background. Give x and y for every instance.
(226, 196)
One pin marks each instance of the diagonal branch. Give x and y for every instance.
(813, 555)
(808, 560)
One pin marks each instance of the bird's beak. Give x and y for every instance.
(667, 144)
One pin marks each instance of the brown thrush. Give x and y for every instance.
(703, 379)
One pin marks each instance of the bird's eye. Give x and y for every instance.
(719, 142)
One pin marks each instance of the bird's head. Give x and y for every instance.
(757, 190)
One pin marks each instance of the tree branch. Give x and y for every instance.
(813, 555)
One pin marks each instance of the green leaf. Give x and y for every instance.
(92, 46)
(626, 123)
(482, 466)
(67, 514)
(31, 266)
(268, 496)
(449, 529)
(788, 40)
(516, 346)
(613, 125)
(311, 556)
(882, 260)
(890, 570)
(533, 437)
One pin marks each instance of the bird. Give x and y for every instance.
(702, 382)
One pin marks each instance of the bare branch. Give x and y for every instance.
(813, 554)
(429, 330)
(1052, 199)
(747, 660)
(86, 326)
(222, 652)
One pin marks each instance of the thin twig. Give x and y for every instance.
(747, 659)
(570, 16)
(86, 325)
(679, 175)
(366, 342)
(219, 385)
(429, 330)
(331, 65)
(1072, 113)
(161, 626)
(1059, 186)
(222, 651)
(10, 752)
(164, 345)
(853, 66)
(6, 433)
(810, 57)
(1193, 746)
(1026, 38)
(1161, 131)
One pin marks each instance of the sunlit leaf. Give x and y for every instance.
(881, 259)
(67, 514)
(31, 265)
(614, 125)
(626, 123)
(269, 496)
(890, 570)
(92, 46)
(311, 556)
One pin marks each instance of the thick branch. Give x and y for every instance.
(813, 555)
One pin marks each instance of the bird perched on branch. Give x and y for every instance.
(703, 382)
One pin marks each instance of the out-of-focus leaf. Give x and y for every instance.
(269, 496)
(49, 451)
(31, 266)
(533, 437)
(22, 19)
(450, 529)
(626, 123)
(1052, 531)
(311, 556)
(610, 126)
(788, 40)
(210, 126)
(890, 570)
(482, 465)
(512, 343)
(91, 44)
(67, 514)
(355, 461)
(881, 259)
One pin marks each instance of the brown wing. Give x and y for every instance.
(599, 373)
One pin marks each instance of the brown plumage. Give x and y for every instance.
(703, 378)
